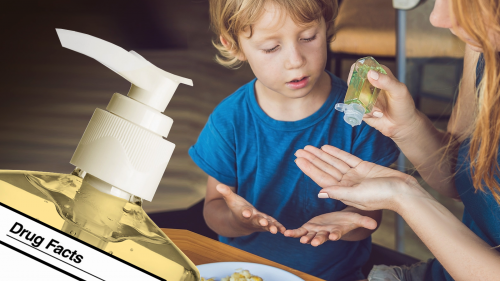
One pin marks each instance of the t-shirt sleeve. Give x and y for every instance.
(214, 152)
(370, 145)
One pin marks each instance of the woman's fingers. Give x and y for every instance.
(375, 113)
(322, 165)
(328, 159)
(349, 196)
(386, 82)
(317, 175)
(335, 192)
(347, 158)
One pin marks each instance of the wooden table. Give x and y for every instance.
(201, 250)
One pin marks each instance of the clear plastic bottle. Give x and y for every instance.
(115, 225)
(120, 161)
(361, 95)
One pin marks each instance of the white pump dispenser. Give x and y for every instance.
(123, 145)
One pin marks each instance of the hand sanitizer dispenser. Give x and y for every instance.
(92, 219)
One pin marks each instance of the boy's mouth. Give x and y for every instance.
(298, 83)
(298, 79)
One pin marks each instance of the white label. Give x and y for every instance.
(30, 248)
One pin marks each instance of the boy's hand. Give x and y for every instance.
(247, 215)
(330, 226)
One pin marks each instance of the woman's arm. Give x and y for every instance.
(461, 252)
(426, 148)
(423, 144)
(368, 186)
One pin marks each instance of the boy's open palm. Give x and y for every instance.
(247, 215)
(330, 226)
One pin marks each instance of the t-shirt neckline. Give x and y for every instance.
(290, 125)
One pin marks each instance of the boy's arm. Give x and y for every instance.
(230, 215)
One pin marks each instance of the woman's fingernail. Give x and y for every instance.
(378, 114)
(323, 195)
(295, 160)
(373, 74)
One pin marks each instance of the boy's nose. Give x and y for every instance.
(440, 16)
(295, 59)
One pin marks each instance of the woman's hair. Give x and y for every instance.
(480, 19)
(230, 17)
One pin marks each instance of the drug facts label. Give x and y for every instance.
(32, 250)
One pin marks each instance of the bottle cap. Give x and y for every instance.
(353, 113)
(124, 144)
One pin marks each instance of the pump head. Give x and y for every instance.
(124, 145)
(151, 85)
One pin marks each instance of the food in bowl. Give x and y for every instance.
(242, 275)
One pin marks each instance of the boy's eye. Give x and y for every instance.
(309, 39)
(271, 50)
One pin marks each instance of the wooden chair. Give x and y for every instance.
(367, 27)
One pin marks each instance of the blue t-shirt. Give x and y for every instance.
(482, 212)
(243, 147)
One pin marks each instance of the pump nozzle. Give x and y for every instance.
(124, 147)
(151, 85)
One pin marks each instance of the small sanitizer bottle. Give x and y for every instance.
(90, 225)
(361, 94)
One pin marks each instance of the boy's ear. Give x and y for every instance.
(239, 55)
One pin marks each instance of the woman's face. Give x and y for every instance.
(442, 17)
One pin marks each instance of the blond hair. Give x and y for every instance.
(477, 18)
(230, 17)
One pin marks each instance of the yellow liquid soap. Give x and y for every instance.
(115, 225)
(361, 95)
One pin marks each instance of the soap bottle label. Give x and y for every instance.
(25, 241)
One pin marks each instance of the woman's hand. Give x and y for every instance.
(330, 226)
(246, 215)
(394, 114)
(355, 182)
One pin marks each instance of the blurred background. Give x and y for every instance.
(49, 93)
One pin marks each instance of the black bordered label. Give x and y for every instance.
(28, 244)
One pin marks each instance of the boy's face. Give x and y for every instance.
(285, 57)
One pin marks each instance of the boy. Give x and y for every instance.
(254, 188)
